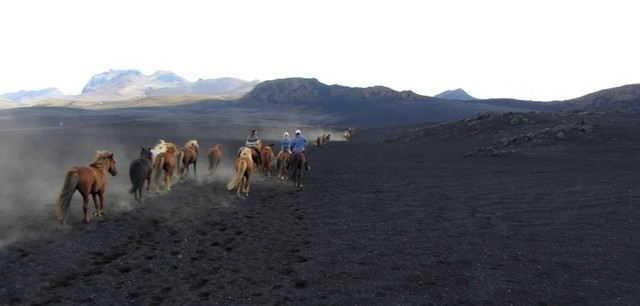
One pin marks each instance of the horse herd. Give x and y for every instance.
(165, 160)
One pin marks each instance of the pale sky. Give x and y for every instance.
(539, 50)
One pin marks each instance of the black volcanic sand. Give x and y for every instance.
(414, 215)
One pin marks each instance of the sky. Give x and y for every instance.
(540, 50)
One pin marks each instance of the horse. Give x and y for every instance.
(244, 169)
(320, 140)
(164, 161)
(186, 156)
(266, 159)
(157, 149)
(281, 164)
(88, 180)
(346, 135)
(139, 172)
(255, 154)
(296, 163)
(214, 155)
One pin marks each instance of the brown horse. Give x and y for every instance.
(91, 180)
(164, 161)
(139, 172)
(187, 155)
(281, 164)
(296, 163)
(214, 155)
(244, 169)
(266, 159)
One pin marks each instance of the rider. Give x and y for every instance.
(252, 139)
(286, 143)
(299, 146)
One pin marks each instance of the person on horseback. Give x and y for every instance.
(299, 146)
(286, 143)
(252, 139)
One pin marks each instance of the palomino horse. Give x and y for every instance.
(159, 148)
(139, 172)
(214, 155)
(281, 164)
(297, 161)
(91, 180)
(244, 169)
(266, 159)
(164, 161)
(255, 154)
(188, 155)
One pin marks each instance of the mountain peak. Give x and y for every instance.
(167, 77)
(456, 94)
(108, 76)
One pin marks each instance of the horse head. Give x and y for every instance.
(146, 153)
(193, 144)
(112, 165)
(105, 162)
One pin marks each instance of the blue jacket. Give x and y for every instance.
(299, 143)
(286, 144)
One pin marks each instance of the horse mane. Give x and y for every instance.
(192, 143)
(171, 148)
(101, 162)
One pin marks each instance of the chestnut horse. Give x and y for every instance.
(297, 162)
(188, 155)
(244, 169)
(281, 164)
(164, 161)
(214, 155)
(88, 180)
(139, 172)
(266, 159)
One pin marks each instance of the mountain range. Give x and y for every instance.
(120, 85)
(137, 95)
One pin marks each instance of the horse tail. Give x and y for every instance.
(180, 160)
(241, 168)
(68, 188)
(210, 158)
(157, 171)
(136, 175)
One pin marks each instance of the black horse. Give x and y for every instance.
(297, 162)
(139, 172)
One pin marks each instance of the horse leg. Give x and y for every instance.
(167, 179)
(247, 184)
(195, 175)
(98, 211)
(85, 207)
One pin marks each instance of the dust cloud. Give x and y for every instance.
(35, 157)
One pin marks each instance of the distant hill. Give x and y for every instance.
(118, 85)
(30, 96)
(371, 106)
(618, 99)
(456, 94)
